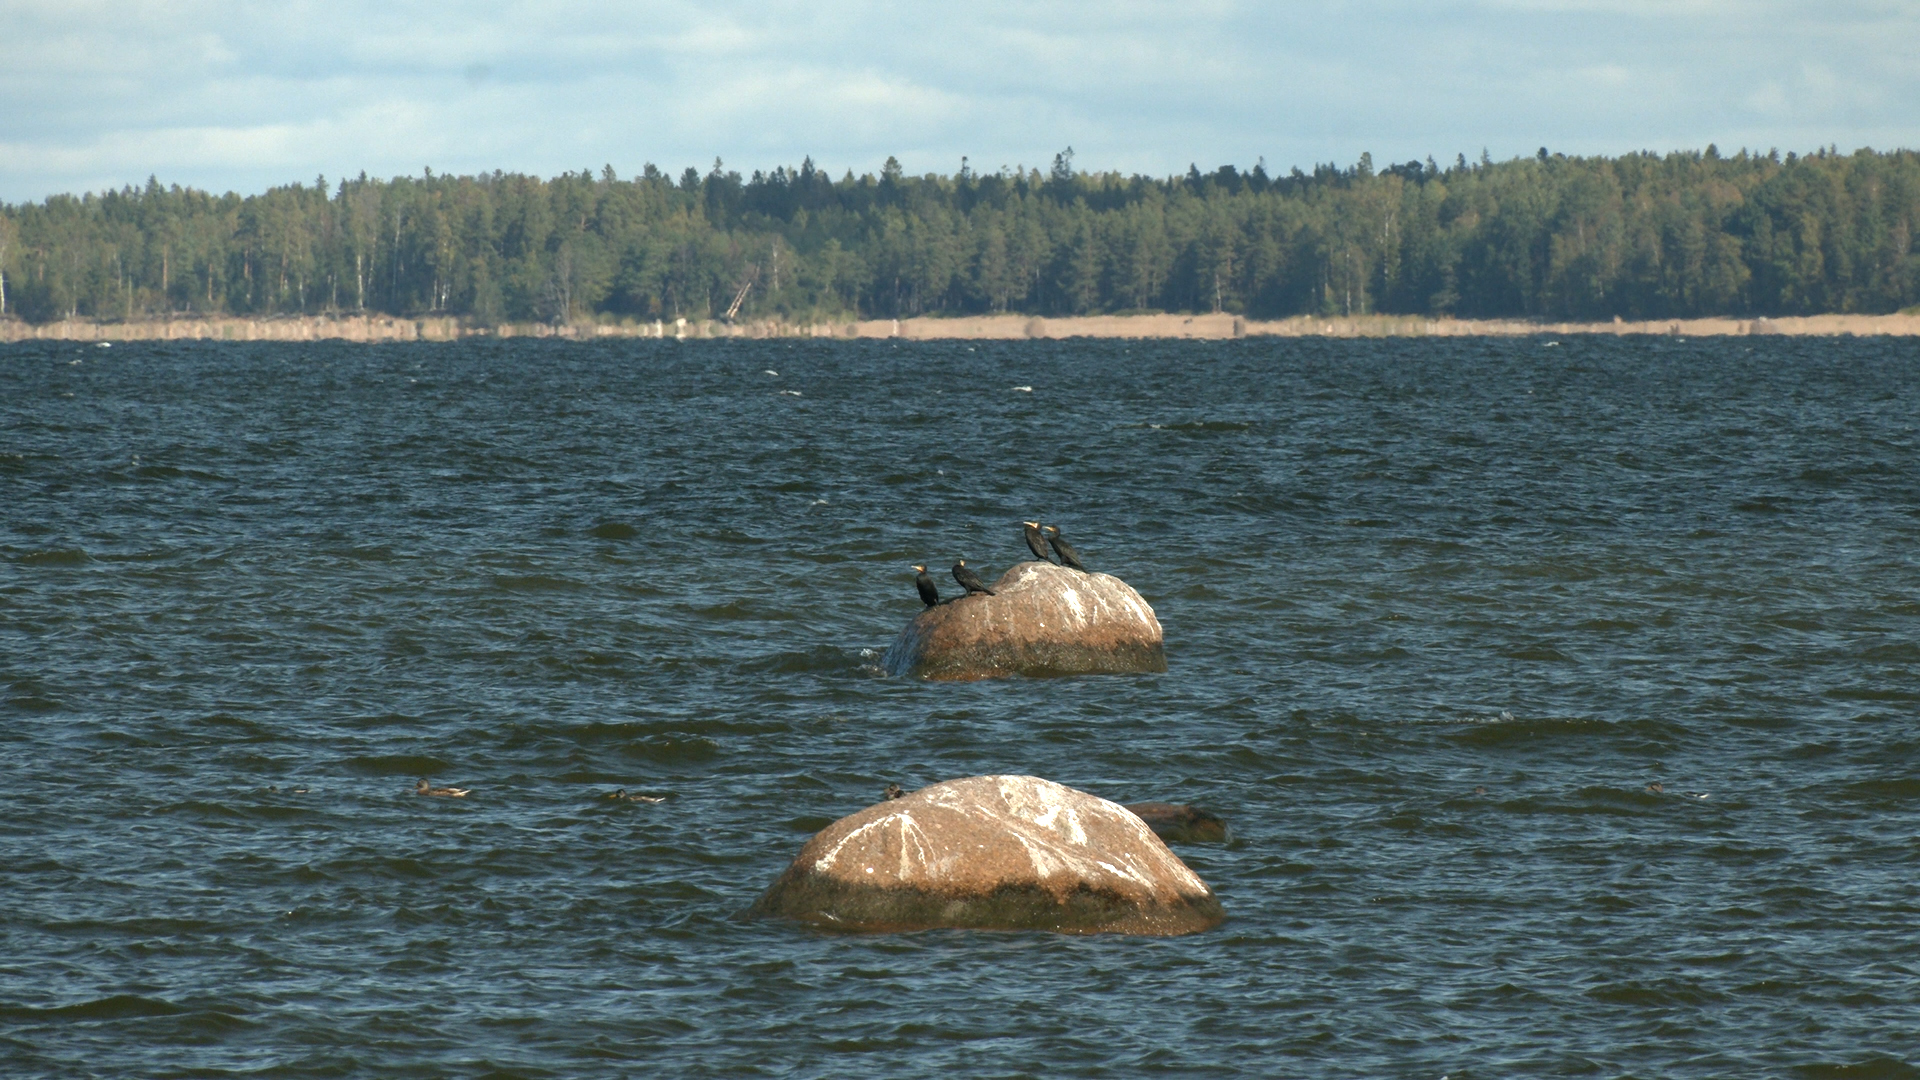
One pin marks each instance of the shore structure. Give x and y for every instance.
(1207, 327)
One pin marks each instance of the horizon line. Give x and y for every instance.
(1021, 170)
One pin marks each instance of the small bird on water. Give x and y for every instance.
(1036, 543)
(929, 592)
(969, 580)
(894, 791)
(1068, 556)
(425, 787)
(620, 795)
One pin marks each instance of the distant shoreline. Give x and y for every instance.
(1219, 327)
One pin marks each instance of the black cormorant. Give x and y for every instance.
(929, 592)
(1036, 543)
(969, 580)
(1068, 556)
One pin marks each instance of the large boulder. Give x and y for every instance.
(993, 853)
(1044, 620)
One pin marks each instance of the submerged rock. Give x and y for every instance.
(993, 853)
(1043, 620)
(1178, 823)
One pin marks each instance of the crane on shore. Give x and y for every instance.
(740, 297)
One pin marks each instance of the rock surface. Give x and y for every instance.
(1044, 620)
(993, 853)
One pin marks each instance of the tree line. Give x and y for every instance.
(1638, 236)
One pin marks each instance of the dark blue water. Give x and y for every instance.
(248, 593)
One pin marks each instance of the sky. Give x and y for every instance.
(225, 95)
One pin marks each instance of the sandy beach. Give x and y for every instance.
(1224, 326)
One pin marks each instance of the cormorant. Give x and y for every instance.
(969, 580)
(424, 787)
(929, 592)
(1068, 556)
(1036, 543)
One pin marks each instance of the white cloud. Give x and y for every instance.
(222, 94)
(1652, 9)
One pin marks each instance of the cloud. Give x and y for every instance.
(223, 94)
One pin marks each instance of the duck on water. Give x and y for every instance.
(620, 795)
(425, 787)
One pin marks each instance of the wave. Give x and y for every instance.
(115, 1007)
(407, 765)
(54, 557)
(1197, 427)
(818, 660)
(535, 583)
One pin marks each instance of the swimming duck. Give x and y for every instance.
(1182, 824)
(425, 787)
(894, 791)
(620, 795)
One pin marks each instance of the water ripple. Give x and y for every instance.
(1560, 707)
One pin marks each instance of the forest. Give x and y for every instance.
(1640, 236)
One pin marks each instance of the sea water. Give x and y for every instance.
(1437, 614)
